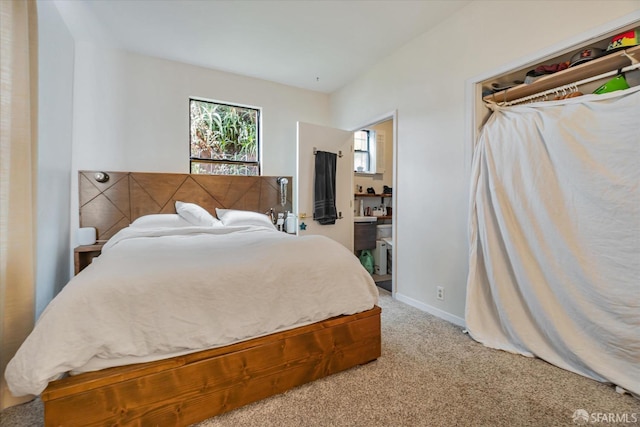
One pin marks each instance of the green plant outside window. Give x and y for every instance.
(223, 139)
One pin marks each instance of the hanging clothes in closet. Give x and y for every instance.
(555, 235)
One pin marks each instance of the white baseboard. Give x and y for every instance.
(431, 310)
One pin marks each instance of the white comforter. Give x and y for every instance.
(161, 292)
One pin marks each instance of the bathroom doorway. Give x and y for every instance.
(375, 201)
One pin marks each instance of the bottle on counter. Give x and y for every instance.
(290, 223)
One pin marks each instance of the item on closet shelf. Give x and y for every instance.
(627, 39)
(571, 94)
(616, 83)
(387, 190)
(504, 86)
(542, 70)
(370, 190)
(497, 87)
(574, 94)
(487, 92)
(529, 79)
(632, 77)
(585, 55)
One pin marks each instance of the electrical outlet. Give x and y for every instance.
(440, 293)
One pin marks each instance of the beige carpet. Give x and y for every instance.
(429, 374)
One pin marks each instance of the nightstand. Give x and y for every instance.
(82, 255)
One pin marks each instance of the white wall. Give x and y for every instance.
(425, 81)
(131, 112)
(55, 96)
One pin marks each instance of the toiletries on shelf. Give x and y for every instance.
(290, 223)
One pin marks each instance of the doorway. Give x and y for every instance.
(374, 198)
(312, 137)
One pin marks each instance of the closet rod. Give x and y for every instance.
(570, 85)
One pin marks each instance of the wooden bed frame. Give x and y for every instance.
(186, 389)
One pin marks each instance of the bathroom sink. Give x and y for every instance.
(365, 219)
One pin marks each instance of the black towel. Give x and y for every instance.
(324, 196)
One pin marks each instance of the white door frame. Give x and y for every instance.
(391, 115)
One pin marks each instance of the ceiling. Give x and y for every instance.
(319, 45)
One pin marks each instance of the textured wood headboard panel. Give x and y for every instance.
(113, 205)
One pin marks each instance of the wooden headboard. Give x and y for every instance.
(112, 205)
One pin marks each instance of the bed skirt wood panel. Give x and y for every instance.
(112, 205)
(187, 389)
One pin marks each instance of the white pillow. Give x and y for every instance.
(196, 215)
(160, 221)
(233, 217)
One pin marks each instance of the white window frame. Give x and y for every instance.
(371, 152)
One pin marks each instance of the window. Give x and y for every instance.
(363, 147)
(223, 139)
(361, 152)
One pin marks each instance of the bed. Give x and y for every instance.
(220, 333)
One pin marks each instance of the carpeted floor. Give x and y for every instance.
(429, 374)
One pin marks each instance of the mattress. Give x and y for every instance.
(157, 293)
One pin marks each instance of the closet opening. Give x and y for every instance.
(541, 194)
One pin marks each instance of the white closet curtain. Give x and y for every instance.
(555, 235)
